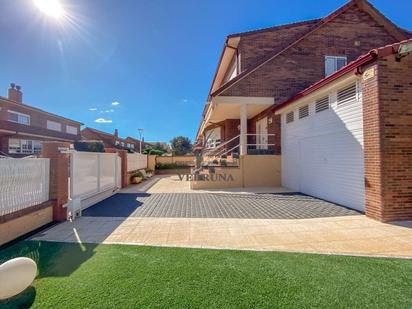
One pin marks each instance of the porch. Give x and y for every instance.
(240, 126)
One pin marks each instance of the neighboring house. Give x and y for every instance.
(261, 69)
(348, 138)
(164, 145)
(23, 128)
(329, 99)
(109, 140)
(134, 144)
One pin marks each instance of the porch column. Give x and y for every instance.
(243, 129)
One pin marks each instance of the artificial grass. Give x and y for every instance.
(120, 276)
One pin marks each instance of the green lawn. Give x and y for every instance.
(118, 276)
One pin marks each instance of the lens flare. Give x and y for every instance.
(52, 8)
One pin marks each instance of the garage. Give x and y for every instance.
(322, 144)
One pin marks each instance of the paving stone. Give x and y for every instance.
(217, 205)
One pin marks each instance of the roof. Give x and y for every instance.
(104, 134)
(362, 60)
(395, 31)
(278, 27)
(38, 110)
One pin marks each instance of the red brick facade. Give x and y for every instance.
(36, 130)
(297, 53)
(387, 101)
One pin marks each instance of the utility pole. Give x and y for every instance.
(140, 138)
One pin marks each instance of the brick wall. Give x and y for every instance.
(37, 118)
(303, 64)
(387, 100)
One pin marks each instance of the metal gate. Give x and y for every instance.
(93, 178)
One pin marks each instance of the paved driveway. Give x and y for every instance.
(217, 205)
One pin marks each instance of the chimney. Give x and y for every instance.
(15, 93)
(116, 132)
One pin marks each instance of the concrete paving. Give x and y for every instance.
(168, 225)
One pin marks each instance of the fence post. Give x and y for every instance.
(59, 177)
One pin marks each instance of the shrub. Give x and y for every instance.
(89, 146)
(168, 166)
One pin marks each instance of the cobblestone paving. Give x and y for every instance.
(217, 205)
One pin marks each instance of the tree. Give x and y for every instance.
(181, 145)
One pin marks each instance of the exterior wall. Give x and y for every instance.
(255, 46)
(21, 225)
(253, 171)
(184, 160)
(388, 139)
(151, 162)
(323, 152)
(302, 65)
(36, 131)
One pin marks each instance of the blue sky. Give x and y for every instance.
(156, 59)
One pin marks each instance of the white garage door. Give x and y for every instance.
(322, 153)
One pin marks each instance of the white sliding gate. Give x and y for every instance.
(93, 178)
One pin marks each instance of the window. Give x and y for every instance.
(24, 146)
(132, 146)
(290, 117)
(19, 117)
(347, 94)
(116, 143)
(122, 144)
(304, 111)
(334, 63)
(322, 104)
(71, 130)
(55, 126)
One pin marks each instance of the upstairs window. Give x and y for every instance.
(71, 130)
(290, 117)
(18, 117)
(334, 63)
(304, 111)
(347, 94)
(322, 104)
(53, 125)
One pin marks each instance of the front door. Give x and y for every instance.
(262, 133)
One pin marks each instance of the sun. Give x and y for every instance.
(52, 8)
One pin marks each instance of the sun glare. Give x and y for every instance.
(52, 8)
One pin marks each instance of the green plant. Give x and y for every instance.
(137, 174)
(89, 146)
(168, 166)
(223, 162)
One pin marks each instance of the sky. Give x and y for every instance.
(131, 64)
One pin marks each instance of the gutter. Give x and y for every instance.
(351, 67)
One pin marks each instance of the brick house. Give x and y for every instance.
(348, 138)
(326, 97)
(134, 143)
(23, 128)
(108, 140)
(260, 69)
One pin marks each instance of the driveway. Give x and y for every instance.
(254, 219)
(217, 205)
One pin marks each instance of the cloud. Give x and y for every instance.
(185, 100)
(115, 103)
(103, 120)
(93, 109)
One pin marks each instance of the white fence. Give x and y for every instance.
(136, 161)
(93, 177)
(23, 183)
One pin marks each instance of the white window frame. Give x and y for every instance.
(51, 123)
(35, 146)
(71, 130)
(333, 61)
(19, 115)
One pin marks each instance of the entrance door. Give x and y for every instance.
(262, 133)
